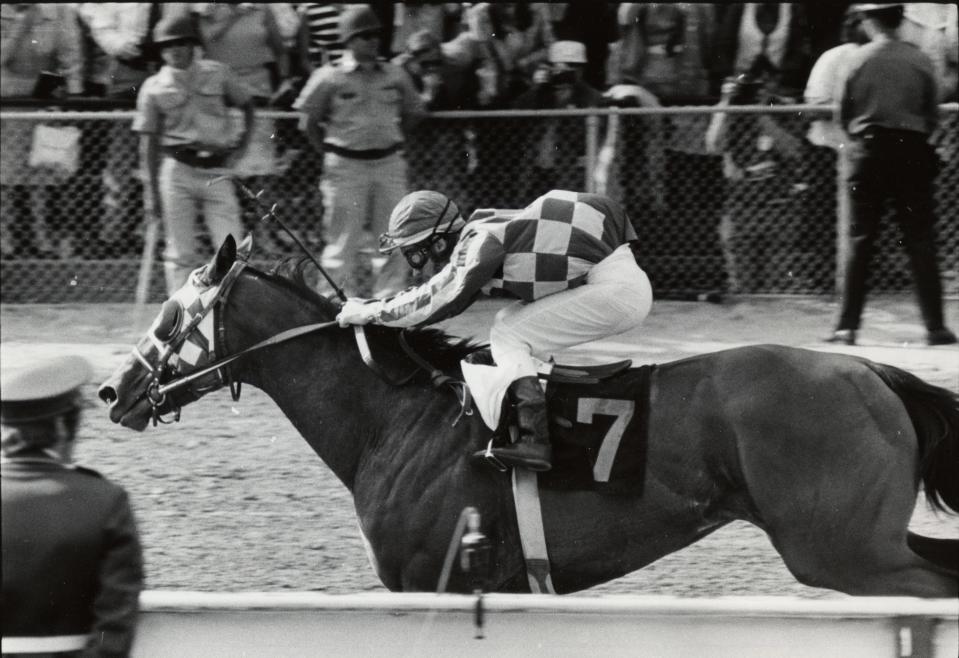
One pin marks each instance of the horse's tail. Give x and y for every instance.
(934, 412)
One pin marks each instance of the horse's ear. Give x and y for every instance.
(245, 248)
(223, 261)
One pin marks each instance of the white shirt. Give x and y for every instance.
(824, 87)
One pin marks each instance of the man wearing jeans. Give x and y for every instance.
(356, 113)
(186, 141)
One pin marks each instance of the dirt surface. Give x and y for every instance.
(232, 499)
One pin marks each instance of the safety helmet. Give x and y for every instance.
(418, 216)
(356, 20)
(42, 390)
(176, 28)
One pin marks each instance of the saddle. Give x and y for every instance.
(597, 421)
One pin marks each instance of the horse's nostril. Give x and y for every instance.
(108, 394)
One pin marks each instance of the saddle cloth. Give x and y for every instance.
(598, 429)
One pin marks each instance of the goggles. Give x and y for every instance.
(436, 248)
(435, 245)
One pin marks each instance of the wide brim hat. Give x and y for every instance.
(43, 389)
(419, 215)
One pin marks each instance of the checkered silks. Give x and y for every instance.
(553, 243)
(547, 247)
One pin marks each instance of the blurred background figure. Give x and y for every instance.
(440, 19)
(72, 560)
(187, 139)
(889, 108)
(768, 41)
(319, 34)
(246, 37)
(665, 49)
(358, 112)
(760, 156)
(442, 154)
(823, 168)
(518, 36)
(555, 145)
(934, 29)
(592, 24)
(40, 53)
(123, 34)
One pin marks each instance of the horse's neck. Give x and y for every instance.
(323, 388)
(318, 381)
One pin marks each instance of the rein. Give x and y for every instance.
(281, 337)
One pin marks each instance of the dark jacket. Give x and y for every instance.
(72, 561)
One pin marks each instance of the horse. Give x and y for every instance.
(824, 452)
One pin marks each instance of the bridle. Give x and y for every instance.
(157, 390)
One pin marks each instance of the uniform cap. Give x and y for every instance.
(356, 20)
(178, 28)
(567, 52)
(419, 215)
(42, 389)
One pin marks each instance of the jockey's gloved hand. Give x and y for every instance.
(356, 311)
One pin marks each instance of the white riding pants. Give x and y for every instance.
(616, 298)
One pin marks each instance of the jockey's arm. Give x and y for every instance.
(474, 261)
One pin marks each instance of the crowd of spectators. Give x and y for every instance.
(681, 52)
(460, 56)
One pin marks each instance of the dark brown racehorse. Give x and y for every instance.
(824, 452)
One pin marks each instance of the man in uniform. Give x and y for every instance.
(187, 139)
(356, 112)
(72, 561)
(566, 256)
(889, 108)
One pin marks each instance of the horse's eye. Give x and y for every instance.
(170, 317)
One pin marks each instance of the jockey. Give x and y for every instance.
(566, 257)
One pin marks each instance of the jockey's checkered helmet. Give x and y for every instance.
(418, 216)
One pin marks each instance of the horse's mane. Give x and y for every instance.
(442, 350)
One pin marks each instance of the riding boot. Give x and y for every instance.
(532, 449)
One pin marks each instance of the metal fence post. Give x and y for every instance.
(592, 145)
(842, 220)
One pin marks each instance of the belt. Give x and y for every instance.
(873, 132)
(195, 157)
(44, 644)
(365, 154)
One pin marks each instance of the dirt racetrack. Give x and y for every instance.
(231, 498)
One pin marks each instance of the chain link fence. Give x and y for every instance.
(73, 231)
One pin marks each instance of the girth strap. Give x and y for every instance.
(529, 518)
(438, 378)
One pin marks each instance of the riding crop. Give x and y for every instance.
(270, 214)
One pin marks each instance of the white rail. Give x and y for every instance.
(315, 624)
